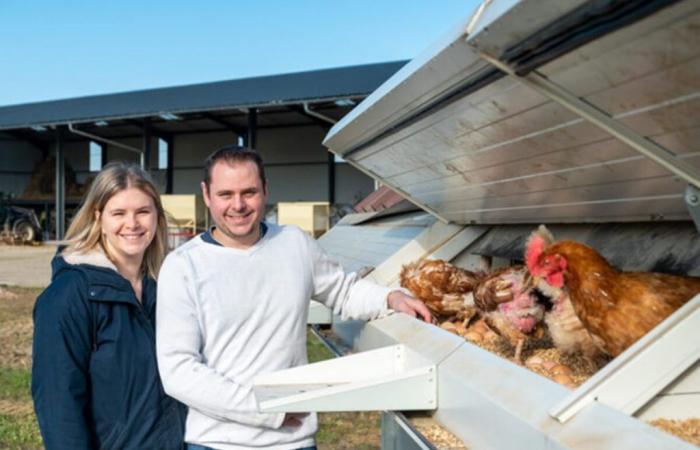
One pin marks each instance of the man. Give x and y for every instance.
(232, 304)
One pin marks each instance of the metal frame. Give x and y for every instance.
(367, 381)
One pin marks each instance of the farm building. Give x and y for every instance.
(284, 117)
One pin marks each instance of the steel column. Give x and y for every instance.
(252, 132)
(331, 178)
(60, 186)
(169, 169)
(146, 146)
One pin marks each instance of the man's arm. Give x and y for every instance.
(353, 297)
(178, 343)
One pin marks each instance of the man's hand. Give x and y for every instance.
(294, 419)
(401, 302)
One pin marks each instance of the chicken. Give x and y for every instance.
(568, 333)
(444, 288)
(509, 308)
(617, 308)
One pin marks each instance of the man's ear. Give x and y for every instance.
(205, 192)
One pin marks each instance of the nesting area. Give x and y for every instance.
(539, 355)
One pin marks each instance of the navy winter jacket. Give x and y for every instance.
(95, 382)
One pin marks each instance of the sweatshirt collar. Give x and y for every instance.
(208, 236)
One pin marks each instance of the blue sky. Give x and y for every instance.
(62, 49)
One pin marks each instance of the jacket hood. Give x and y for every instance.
(103, 280)
(94, 264)
(94, 257)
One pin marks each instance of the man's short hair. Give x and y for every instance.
(233, 154)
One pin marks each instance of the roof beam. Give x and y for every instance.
(239, 131)
(21, 136)
(155, 131)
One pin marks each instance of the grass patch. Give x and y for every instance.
(15, 383)
(339, 431)
(19, 432)
(355, 430)
(315, 349)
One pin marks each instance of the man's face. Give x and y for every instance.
(236, 198)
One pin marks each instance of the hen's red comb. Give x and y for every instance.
(538, 241)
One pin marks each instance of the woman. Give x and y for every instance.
(95, 382)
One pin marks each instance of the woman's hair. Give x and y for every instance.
(85, 231)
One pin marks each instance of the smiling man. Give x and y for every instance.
(233, 302)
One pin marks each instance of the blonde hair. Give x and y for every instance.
(85, 231)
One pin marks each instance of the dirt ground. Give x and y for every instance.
(26, 266)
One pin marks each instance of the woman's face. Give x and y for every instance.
(129, 222)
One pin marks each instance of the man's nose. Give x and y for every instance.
(237, 203)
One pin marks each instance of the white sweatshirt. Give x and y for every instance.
(226, 315)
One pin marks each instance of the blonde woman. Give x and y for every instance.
(95, 382)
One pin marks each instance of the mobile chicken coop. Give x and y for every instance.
(581, 114)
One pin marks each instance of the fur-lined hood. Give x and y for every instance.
(95, 273)
(94, 257)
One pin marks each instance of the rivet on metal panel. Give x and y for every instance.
(692, 201)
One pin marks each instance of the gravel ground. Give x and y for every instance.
(26, 266)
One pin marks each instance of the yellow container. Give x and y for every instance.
(312, 217)
(186, 212)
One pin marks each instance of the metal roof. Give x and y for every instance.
(274, 90)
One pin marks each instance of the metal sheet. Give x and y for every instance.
(366, 246)
(505, 153)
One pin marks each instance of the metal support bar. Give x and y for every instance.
(375, 380)
(169, 169)
(101, 139)
(692, 200)
(331, 178)
(146, 153)
(597, 117)
(252, 133)
(60, 187)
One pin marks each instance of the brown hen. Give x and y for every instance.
(617, 308)
(444, 288)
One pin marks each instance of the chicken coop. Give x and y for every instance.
(582, 115)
